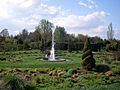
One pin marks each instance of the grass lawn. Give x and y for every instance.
(44, 75)
(29, 60)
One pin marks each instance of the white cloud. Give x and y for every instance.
(51, 10)
(3, 13)
(91, 24)
(87, 4)
(99, 29)
(19, 14)
(25, 8)
(89, 20)
(8, 8)
(26, 4)
(83, 4)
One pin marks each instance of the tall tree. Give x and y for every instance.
(88, 60)
(110, 32)
(24, 34)
(80, 38)
(60, 37)
(4, 33)
(60, 34)
(70, 40)
(36, 36)
(45, 30)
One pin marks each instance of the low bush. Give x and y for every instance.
(102, 68)
(70, 72)
(30, 87)
(116, 71)
(12, 82)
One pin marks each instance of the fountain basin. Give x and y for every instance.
(55, 60)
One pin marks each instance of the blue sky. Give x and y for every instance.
(88, 17)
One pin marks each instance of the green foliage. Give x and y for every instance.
(116, 69)
(70, 72)
(30, 87)
(115, 86)
(45, 32)
(102, 68)
(87, 53)
(116, 55)
(41, 39)
(29, 60)
(60, 34)
(4, 33)
(13, 82)
(10, 57)
(88, 60)
(38, 72)
(113, 46)
(94, 79)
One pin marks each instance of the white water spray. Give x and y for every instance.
(52, 52)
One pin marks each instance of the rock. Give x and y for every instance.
(54, 73)
(50, 73)
(109, 73)
(34, 74)
(74, 76)
(27, 77)
(60, 73)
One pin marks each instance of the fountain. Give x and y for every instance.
(51, 56)
(52, 52)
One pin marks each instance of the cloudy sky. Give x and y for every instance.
(88, 17)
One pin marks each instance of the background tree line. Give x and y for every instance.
(41, 39)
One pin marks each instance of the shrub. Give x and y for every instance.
(87, 57)
(102, 68)
(116, 55)
(13, 82)
(71, 72)
(113, 46)
(30, 87)
(116, 71)
(2, 58)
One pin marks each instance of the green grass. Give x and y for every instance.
(115, 86)
(30, 61)
(31, 65)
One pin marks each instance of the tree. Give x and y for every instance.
(110, 32)
(71, 39)
(98, 43)
(36, 36)
(87, 57)
(45, 30)
(113, 46)
(80, 38)
(24, 34)
(4, 33)
(60, 37)
(60, 34)
(26, 44)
